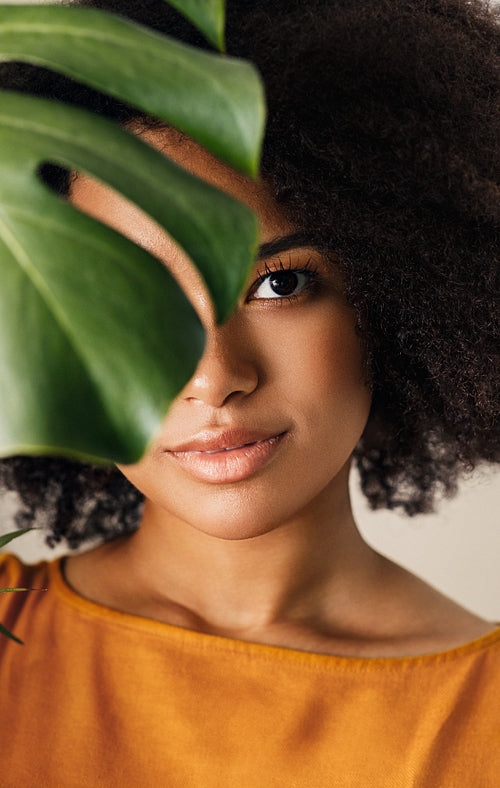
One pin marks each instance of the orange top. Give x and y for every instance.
(101, 698)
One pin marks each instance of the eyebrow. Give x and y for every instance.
(285, 242)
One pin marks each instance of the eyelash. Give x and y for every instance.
(309, 270)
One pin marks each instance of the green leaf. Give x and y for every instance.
(207, 15)
(218, 101)
(6, 538)
(8, 590)
(96, 338)
(8, 634)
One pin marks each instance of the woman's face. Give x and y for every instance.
(264, 430)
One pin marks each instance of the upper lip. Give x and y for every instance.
(210, 440)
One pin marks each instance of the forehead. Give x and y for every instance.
(192, 157)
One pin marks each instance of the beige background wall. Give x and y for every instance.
(457, 549)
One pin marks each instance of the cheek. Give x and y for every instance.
(316, 358)
(149, 477)
(141, 474)
(323, 379)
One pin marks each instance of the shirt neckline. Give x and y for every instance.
(192, 639)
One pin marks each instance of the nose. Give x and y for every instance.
(226, 370)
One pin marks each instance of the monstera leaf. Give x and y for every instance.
(208, 15)
(96, 338)
(216, 100)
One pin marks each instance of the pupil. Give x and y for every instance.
(283, 283)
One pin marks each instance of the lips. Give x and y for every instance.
(226, 456)
(223, 440)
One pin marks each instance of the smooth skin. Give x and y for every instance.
(274, 557)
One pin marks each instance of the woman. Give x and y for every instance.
(244, 634)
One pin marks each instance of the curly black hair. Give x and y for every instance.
(383, 143)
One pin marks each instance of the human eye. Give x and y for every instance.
(280, 282)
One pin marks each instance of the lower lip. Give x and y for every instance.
(233, 465)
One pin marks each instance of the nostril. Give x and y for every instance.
(221, 376)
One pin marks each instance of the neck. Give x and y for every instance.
(294, 573)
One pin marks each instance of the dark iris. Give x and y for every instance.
(283, 282)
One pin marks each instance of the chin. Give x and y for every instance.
(228, 517)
